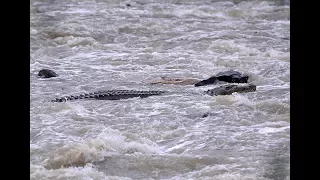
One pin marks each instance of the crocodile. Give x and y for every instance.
(110, 95)
(125, 94)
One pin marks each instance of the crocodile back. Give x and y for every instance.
(110, 95)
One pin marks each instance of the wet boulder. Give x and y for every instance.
(205, 115)
(211, 80)
(232, 77)
(226, 76)
(47, 73)
(231, 88)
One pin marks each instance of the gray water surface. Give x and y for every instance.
(103, 45)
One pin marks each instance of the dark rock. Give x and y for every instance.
(231, 88)
(128, 5)
(47, 73)
(205, 115)
(232, 77)
(226, 76)
(208, 81)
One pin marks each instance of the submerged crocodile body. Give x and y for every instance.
(125, 94)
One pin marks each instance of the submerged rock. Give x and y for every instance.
(175, 81)
(205, 115)
(226, 76)
(231, 88)
(47, 73)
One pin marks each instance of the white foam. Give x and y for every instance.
(222, 172)
(88, 172)
(234, 99)
(229, 46)
(186, 143)
(242, 99)
(75, 41)
(284, 56)
(182, 12)
(108, 143)
(267, 130)
(273, 106)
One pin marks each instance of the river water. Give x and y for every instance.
(103, 45)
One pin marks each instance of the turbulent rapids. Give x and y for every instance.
(168, 89)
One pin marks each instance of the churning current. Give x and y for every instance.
(98, 45)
